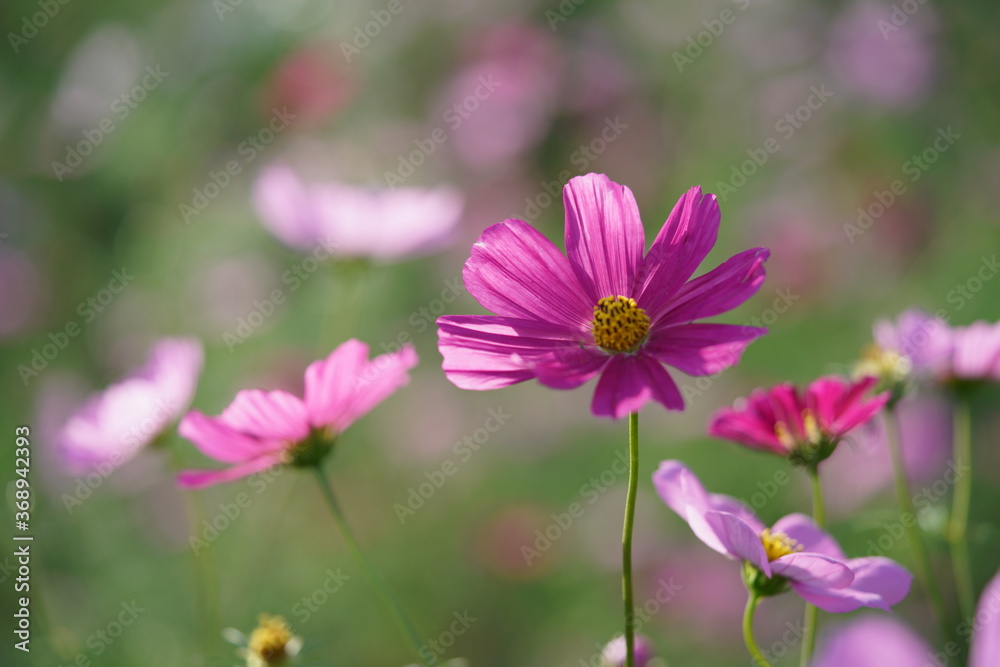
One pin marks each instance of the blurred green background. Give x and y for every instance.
(799, 115)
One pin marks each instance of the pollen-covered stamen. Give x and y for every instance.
(811, 427)
(777, 545)
(619, 324)
(784, 435)
(269, 639)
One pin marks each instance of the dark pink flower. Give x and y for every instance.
(605, 309)
(260, 429)
(112, 426)
(795, 551)
(785, 421)
(885, 642)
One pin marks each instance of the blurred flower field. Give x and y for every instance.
(203, 200)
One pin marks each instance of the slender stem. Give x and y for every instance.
(957, 530)
(202, 563)
(748, 632)
(377, 582)
(633, 482)
(921, 560)
(819, 508)
(812, 613)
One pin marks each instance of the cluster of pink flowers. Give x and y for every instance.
(606, 309)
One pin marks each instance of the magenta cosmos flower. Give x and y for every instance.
(803, 425)
(352, 222)
(114, 425)
(885, 642)
(601, 309)
(793, 553)
(260, 429)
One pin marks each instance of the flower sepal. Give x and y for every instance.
(759, 584)
(810, 455)
(313, 449)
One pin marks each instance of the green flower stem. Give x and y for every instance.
(748, 632)
(920, 558)
(377, 582)
(958, 528)
(202, 562)
(633, 482)
(812, 613)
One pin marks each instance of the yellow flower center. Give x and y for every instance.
(809, 424)
(269, 639)
(889, 366)
(777, 545)
(619, 324)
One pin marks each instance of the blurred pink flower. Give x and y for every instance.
(311, 86)
(795, 550)
(882, 59)
(613, 654)
(862, 466)
(785, 421)
(24, 291)
(261, 429)
(947, 353)
(111, 427)
(975, 352)
(353, 222)
(605, 310)
(501, 104)
(885, 642)
(923, 340)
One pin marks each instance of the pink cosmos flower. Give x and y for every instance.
(795, 551)
(785, 421)
(601, 309)
(352, 222)
(920, 342)
(112, 426)
(613, 654)
(975, 352)
(885, 642)
(260, 429)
